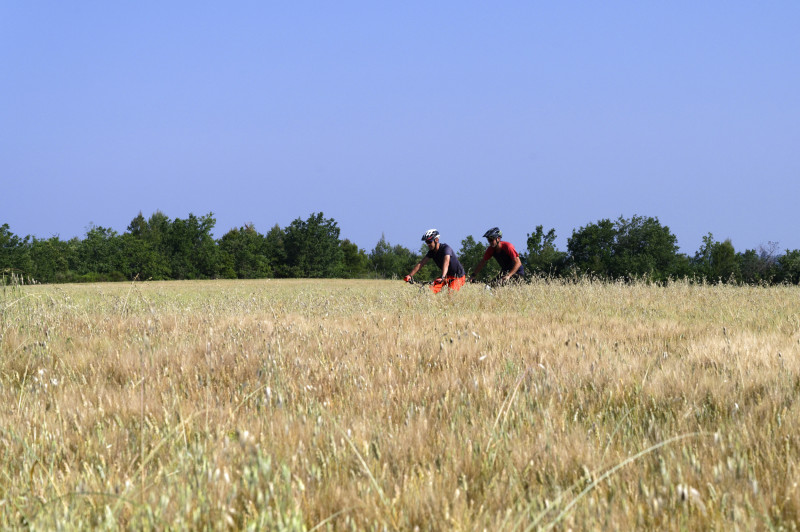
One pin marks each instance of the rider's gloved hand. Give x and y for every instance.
(407, 278)
(439, 280)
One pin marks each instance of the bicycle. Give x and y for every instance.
(422, 285)
(436, 285)
(498, 281)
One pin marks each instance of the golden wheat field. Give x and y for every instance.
(373, 405)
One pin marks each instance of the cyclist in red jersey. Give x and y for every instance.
(504, 253)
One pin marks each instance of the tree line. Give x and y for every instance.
(160, 248)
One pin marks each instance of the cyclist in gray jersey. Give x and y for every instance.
(453, 274)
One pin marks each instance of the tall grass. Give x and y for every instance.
(368, 405)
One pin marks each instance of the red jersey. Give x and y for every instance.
(504, 253)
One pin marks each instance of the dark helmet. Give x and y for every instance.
(494, 232)
(429, 235)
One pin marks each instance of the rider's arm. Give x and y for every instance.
(478, 268)
(517, 264)
(419, 265)
(445, 265)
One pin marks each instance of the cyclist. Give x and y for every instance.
(504, 253)
(444, 257)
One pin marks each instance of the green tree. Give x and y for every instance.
(543, 258)
(389, 261)
(724, 263)
(138, 226)
(635, 247)
(14, 252)
(100, 255)
(591, 248)
(759, 266)
(312, 247)
(644, 247)
(470, 253)
(716, 261)
(192, 249)
(244, 249)
(54, 260)
(788, 268)
(147, 247)
(275, 251)
(355, 262)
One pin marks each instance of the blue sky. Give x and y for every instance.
(394, 118)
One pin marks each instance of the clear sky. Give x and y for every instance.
(396, 117)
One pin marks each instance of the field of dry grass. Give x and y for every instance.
(370, 405)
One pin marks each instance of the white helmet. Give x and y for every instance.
(430, 234)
